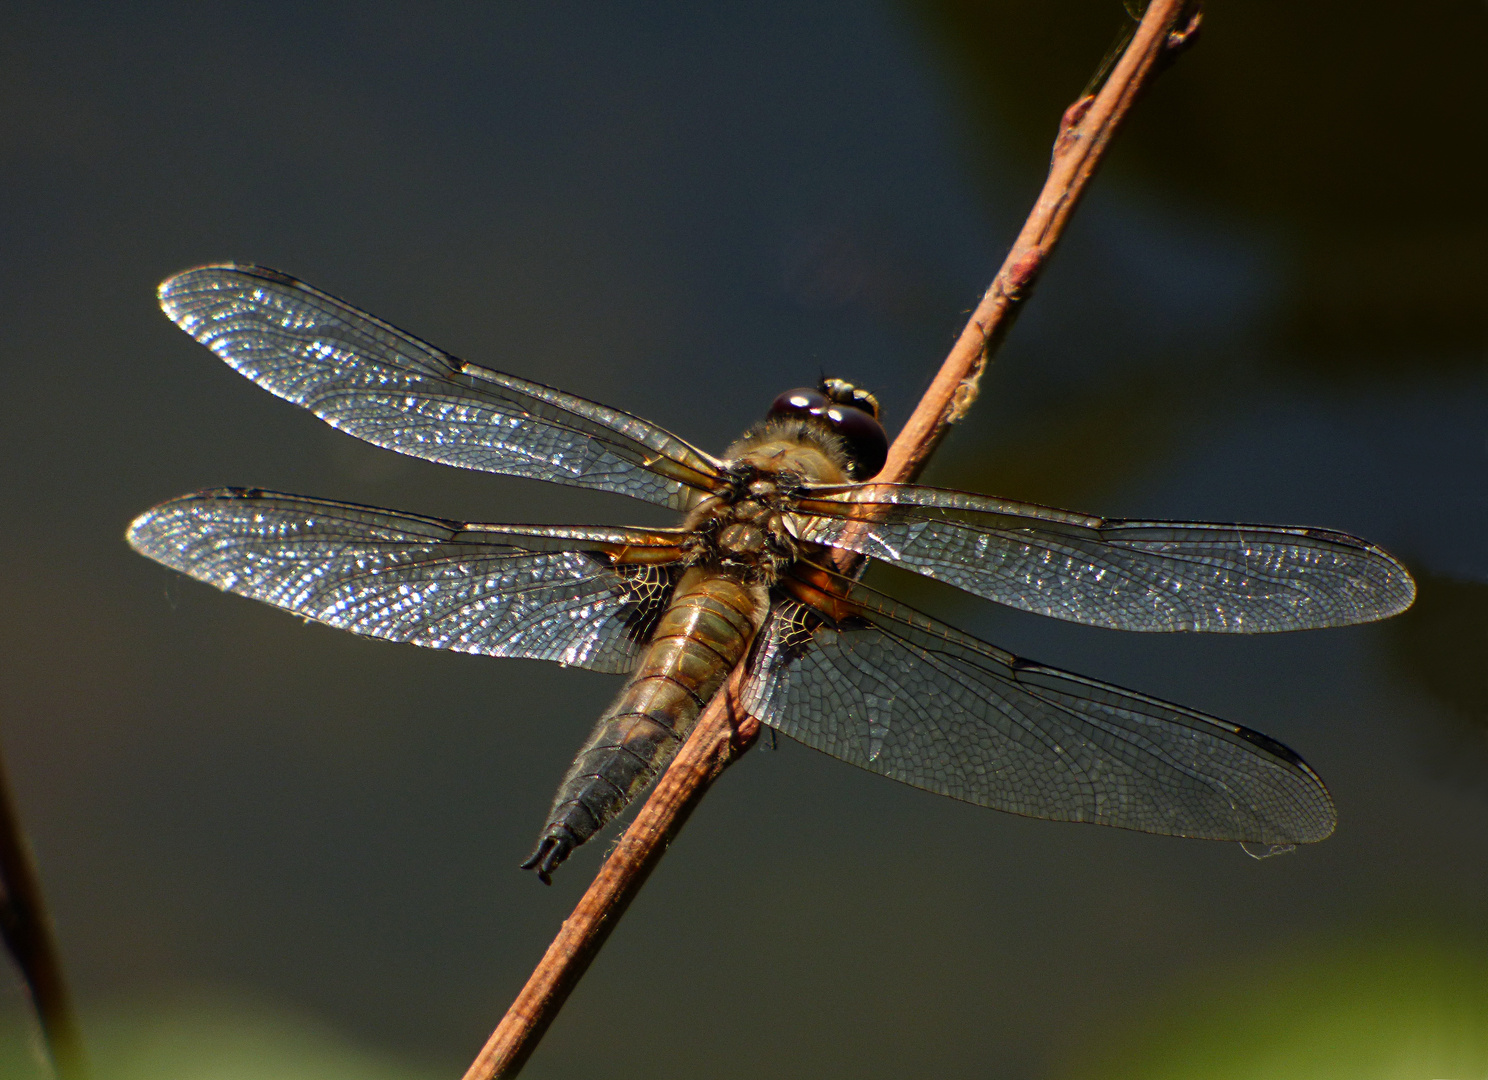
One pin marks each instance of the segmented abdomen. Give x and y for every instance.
(704, 632)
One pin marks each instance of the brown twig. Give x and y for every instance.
(28, 935)
(723, 731)
(721, 734)
(1084, 134)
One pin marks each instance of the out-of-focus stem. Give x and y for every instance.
(27, 931)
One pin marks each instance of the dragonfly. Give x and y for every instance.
(754, 575)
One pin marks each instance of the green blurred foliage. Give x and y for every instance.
(205, 1037)
(1388, 1004)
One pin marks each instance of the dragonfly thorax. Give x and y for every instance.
(744, 529)
(794, 449)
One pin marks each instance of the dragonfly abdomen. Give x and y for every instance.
(703, 634)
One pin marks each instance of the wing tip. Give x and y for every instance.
(1388, 591)
(144, 531)
(1318, 820)
(134, 534)
(137, 529)
(172, 292)
(149, 535)
(1401, 581)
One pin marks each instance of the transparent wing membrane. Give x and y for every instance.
(837, 666)
(886, 688)
(374, 381)
(1126, 575)
(544, 593)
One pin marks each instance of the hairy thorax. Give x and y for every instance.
(747, 530)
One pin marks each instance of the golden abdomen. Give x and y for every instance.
(704, 633)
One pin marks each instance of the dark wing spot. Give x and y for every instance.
(644, 595)
(1270, 745)
(1329, 536)
(801, 625)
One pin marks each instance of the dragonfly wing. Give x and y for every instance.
(372, 380)
(886, 688)
(587, 597)
(1126, 575)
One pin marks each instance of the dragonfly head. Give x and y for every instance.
(846, 411)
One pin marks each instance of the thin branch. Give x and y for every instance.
(723, 731)
(27, 931)
(1084, 135)
(721, 735)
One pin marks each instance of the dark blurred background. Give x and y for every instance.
(273, 849)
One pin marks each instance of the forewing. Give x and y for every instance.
(374, 381)
(891, 690)
(587, 597)
(1126, 575)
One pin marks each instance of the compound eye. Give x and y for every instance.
(803, 401)
(864, 436)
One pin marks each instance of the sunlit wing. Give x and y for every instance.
(372, 380)
(1127, 575)
(587, 597)
(858, 676)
